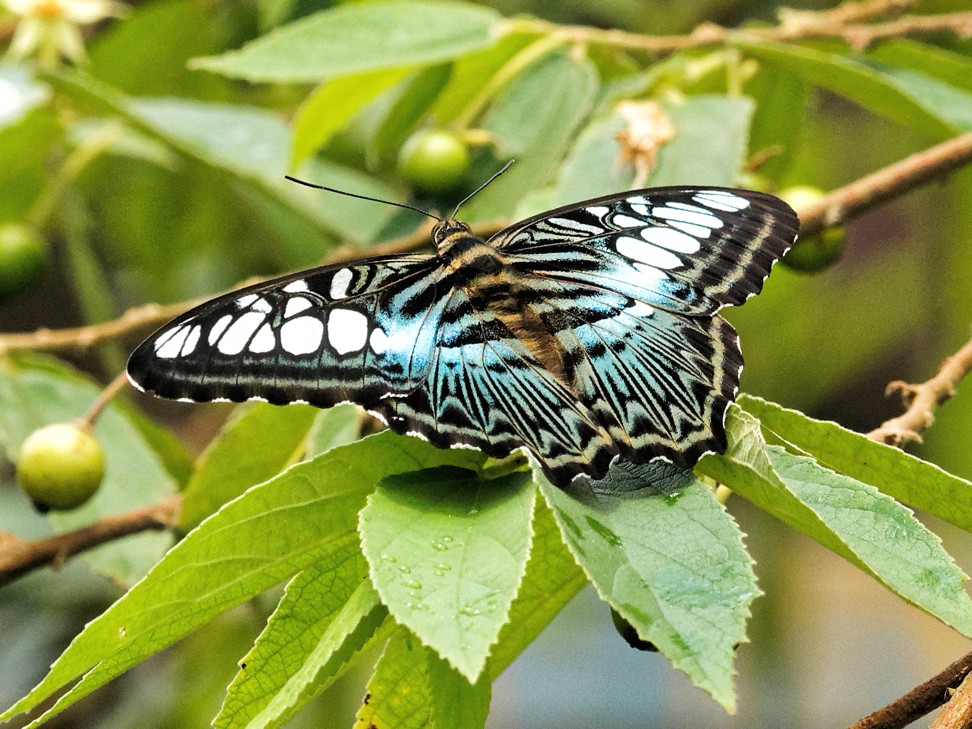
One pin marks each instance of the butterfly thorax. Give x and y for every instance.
(494, 285)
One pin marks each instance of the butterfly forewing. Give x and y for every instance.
(688, 250)
(352, 332)
(580, 335)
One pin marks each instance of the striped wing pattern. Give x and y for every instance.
(581, 335)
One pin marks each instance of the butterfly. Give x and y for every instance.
(582, 335)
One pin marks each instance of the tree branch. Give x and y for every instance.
(921, 400)
(920, 700)
(957, 713)
(18, 556)
(845, 202)
(843, 22)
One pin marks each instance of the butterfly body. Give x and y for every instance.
(581, 335)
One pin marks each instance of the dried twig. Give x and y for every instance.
(921, 400)
(17, 556)
(921, 700)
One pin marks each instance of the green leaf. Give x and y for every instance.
(671, 561)
(36, 391)
(717, 124)
(256, 444)
(946, 66)
(909, 479)
(855, 520)
(268, 534)
(398, 691)
(328, 614)
(360, 37)
(334, 427)
(447, 553)
(455, 703)
(551, 580)
(333, 104)
(412, 102)
(886, 537)
(944, 100)
(251, 146)
(539, 130)
(856, 81)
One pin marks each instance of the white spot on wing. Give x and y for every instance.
(698, 231)
(639, 250)
(218, 328)
(191, 341)
(295, 305)
(263, 341)
(696, 216)
(722, 200)
(674, 240)
(347, 330)
(171, 346)
(626, 221)
(238, 335)
(599, 210)
(302, 335)
(640, 208)
(575, 225)
(340, 283)
(296, 287)
(378, 340)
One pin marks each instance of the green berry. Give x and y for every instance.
(60, 466)
(23, 259)
(809, 255)
(433, 160)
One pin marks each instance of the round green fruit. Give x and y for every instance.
(60, 466)
(23, 259)
(433, 160)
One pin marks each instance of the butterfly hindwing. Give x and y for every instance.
(688, 250)
(487, 390)
(352, 332)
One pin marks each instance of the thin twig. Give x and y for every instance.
(845, 202)
(921, 700)
(795, 27)
(18, 556)
(921, 400)
(105, 397)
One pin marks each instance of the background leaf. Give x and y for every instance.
(362, 37)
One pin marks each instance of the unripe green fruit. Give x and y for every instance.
(60, 466)
(433, 160)
(23, 259)
(809, 255)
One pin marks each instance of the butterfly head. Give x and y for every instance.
(446, 231)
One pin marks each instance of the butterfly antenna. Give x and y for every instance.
(480, 188)
(372, 199)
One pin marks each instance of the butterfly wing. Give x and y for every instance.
(690, 250)
(659, 382)
(351, 332)
(487, 390)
